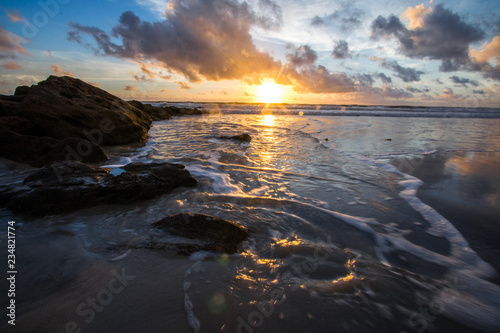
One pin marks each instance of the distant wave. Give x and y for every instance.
(340, 110)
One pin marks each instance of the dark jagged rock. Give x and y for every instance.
(218, 234)
(65, 107)
(156, 113)
(245, 137)
(21, 91)
(42, 151)
(17, 125)
(68, 186)
(167, 112)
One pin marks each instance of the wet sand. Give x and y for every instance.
(464, 187)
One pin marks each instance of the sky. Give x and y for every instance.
(436, 53)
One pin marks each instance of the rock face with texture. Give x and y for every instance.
(65, 107)
(167, 112)
(220, 235)
(69, 186)
(42, 151)
(245, 137)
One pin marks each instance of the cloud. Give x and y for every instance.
(11, 65)
(10, 44)
(15, 16)
(59, 71)
(136, 77)
(385, 79)
(301, 56)
(130, 88)
(412, 89)
(489, 52)
(416, 15)
(449, 94)
(164, 90)
(183, 85)
(317, 21)
(317, 79)
(341, 50)
(407, 74)
(479, 92)
(463, 81)
(387, 91)
(346, 18)
(438, 34)
(209, 39)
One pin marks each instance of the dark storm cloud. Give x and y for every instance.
(463, 81)
(407, 74)
(301, 56)
(307, 76)
(318, 80)
(479, 92)
(384, 78)
(317, 21)
(413, 90)
(203, 39)
(386, 92)
(346, 18)
(341, 50)
(364, 79)
(443, 36)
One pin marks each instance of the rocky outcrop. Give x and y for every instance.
(167, 112)
(245, 137)
(217, 234)
(65, 107)
(17, 125)
(155, 112)
(69, 186)
(42, 151)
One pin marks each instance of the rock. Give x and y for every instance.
(167, 112)
(156, 113)
(218, 234)
(68, 186)
(65, 107)
(17, 124)
(42, 151)
(21, 91)
(245, 137)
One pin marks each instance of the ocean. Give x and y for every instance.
(355, 222)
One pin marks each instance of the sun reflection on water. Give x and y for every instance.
(268, 120)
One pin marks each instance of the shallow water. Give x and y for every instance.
(339, 239)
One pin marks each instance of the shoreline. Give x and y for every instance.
(463, 188)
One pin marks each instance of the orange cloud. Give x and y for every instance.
(15, 16)
(488, 52)
(130, 88)
(10, 44)
(12, 65)
(59, 71)
(416, 15)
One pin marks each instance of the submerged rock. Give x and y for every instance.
(65, 107)
(69, 186)
(42, 151)
(245, 137)
(218, 234)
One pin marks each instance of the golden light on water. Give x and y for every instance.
(268, 120)
(270, 92)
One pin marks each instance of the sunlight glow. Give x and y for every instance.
(270, 92)
(268, 120)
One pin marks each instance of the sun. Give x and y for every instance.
(270, 92)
